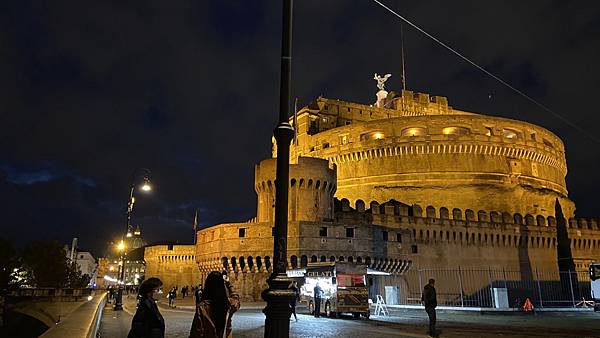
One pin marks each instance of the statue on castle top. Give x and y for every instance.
(381, 80)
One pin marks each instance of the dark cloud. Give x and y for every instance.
(92, 90)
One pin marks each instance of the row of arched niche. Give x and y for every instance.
(237, 264)
(301, 183)
(399, 209)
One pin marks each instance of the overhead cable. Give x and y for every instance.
(532, 100)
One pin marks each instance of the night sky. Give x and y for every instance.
(91, 90)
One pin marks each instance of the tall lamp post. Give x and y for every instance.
(278, 295)
(144, 174)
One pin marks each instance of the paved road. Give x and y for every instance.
(249, 322)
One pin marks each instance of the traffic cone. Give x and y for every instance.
(528, 306)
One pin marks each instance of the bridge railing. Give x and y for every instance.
(84, 322)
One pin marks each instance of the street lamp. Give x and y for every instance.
(278, 295)
(144, 175)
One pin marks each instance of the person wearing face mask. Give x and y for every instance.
(147, 321)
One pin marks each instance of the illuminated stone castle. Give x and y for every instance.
(407, 182)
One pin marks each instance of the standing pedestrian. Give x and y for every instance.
(198, 294)
(213, 314)
(294, 287)
(172, 295)
(429, 300)
(318, 293)
(147, 321)
(111, 293)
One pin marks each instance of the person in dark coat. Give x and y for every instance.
(429, 300)
(294, 287)
(198, 294)
(172, 295)
(147, 321)
(318, 291)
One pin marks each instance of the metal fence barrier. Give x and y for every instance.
(474, 287)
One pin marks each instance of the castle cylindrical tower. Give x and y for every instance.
(418, 150)
(312, 186)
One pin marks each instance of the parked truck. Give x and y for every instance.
(344, 288)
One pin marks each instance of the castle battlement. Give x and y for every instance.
(481, 228)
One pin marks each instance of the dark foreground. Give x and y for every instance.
(249, 322)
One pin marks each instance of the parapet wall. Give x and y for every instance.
(175, 265)
(452, 237)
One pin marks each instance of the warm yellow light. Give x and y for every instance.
(121, 246)
(146, 187)
(378, 136)
(129, 234)
(112, 268)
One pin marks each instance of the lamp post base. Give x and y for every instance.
(278, 311)
(119, 300)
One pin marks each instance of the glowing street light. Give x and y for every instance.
(121, 246)
(146, 187)
(144, 174)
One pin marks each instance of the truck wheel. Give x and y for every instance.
(356, 315)
(368, 314)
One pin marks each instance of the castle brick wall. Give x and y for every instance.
(435, 156)
(311, 189)
(175, 265)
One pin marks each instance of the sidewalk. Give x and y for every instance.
(114, 323)
(489, 309)
(189, 304)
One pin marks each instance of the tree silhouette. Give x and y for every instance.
(46, 263)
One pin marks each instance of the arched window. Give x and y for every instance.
(332, 259)
(303, 261)
(267, 262)
(510, 134)
(414, 131)
(225, 263)
(313, 259)
(294, 261)
(323, 259)
(455, 131)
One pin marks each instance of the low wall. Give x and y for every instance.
(81, 323)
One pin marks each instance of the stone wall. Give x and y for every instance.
(221, 248)
(175, 265)
(436, 156)
(414, 238)
(311, 190)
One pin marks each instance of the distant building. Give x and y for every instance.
(84, 260)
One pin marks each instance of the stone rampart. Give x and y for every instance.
(174, 264)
